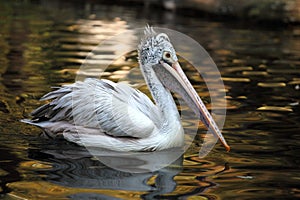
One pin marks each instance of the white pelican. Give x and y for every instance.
(101, 113)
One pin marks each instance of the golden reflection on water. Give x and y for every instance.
(46, 190)
(262, 121)
(271, 84)
(275, 108)
(236, 79)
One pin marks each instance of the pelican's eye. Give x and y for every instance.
(167, 57)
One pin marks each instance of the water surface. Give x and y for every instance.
(43, 44)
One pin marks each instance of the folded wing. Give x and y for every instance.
(113, 108)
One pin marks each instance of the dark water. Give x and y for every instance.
(43, 44)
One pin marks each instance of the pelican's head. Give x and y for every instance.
(156, 48)
(157, 54)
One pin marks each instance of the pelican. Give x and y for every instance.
(114, 116)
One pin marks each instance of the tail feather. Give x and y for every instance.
(59, 92)
(40, 111)
(58, 109)
(52, 129)
(43, 124)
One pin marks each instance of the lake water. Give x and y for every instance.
(44, 43)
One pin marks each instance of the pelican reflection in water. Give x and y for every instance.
(101, 113)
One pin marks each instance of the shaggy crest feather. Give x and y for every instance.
(149, 32)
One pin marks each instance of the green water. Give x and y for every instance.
(43, 44)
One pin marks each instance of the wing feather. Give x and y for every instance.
(115, 108)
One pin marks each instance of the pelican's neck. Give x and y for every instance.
(161, 96)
